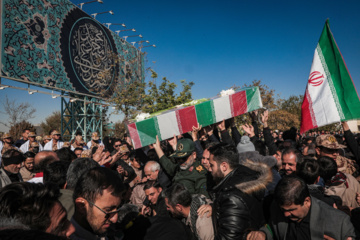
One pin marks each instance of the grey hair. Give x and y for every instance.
(12, 223)
(77, 168)
(153, 166)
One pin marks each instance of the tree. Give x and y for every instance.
(282, 120)
(16, 113)
(14, 129)
(53, 121)
(292, 105)
(128, 98)
(120, 129)
(134, 97)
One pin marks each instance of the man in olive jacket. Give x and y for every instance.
(187, 169)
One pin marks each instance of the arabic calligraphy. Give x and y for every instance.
(92, 57)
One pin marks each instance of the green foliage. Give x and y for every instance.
(53, 121)
(138, 97)
(17, 128)
(129, 98)
(292, 104)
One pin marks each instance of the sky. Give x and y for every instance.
(218, 44)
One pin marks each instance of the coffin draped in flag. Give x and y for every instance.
(330, 94)
(182, 120)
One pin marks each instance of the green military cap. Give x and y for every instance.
(184, 148)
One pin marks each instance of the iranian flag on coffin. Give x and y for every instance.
(182, 120)
(330, 94)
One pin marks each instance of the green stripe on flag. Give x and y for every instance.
(253, 99)
(340, 81)
(148, 129)
(205, 113)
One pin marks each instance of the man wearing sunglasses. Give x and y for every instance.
(55, 143)
(97, 197)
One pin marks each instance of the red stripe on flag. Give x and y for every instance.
(238, 103)
(308, 120)
(186, 119)
(134, 135)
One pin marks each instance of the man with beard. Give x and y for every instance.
(11, 164)
(95, 141)
(36, 206)
(27, 171)
(55, 143)
(8, 144)
(182, 205)
(29, 143)
(97, 197)
(296, 215)
(238, 193)
(188, 170)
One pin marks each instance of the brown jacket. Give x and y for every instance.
(26, 174)
(347, 194)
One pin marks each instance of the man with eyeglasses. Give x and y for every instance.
(97, 197)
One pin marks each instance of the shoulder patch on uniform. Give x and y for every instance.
(199, 168)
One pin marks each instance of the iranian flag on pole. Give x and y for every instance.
(330, 94)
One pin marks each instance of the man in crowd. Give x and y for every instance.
(78, 152)
(36, 206)
(77, 168)
(10, 167)
(290, 158)
(154, 172)
(23, 139)
(155, 206)
(337, 183)
(7, 145)
(97, 197)
(46, 139)
(95, 141)
(296, 215)
(41, 160)
(181, 205)
(34, 147)
(55, 143)
(238, 193)
(27, 171)
(327, 146)
(32, 139)
(188, 169)
(78, 143)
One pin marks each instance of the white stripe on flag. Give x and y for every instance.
(324, 106)
(222, 108)
(168, 125)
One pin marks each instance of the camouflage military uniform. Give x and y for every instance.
(193, 178)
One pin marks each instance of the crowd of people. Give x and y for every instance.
(210, 183)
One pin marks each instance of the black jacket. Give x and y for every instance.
(237, 207)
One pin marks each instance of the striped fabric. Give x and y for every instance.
(182, 120)
(330, 94)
